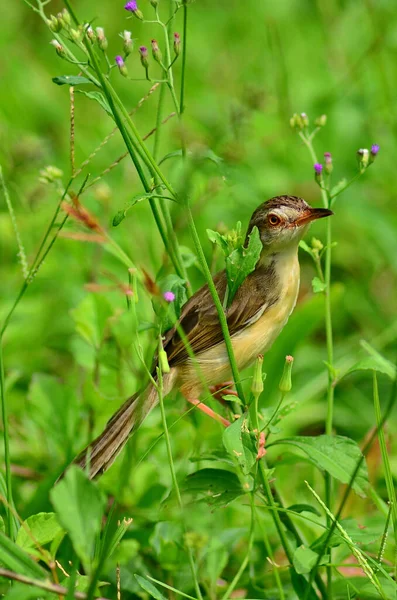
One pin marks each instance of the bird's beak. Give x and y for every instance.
(311, 214)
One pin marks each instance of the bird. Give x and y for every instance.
(259, 311)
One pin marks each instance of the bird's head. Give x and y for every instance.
(282, 221)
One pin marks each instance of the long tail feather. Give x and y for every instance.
(100, 454)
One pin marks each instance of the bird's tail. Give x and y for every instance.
(100, 454)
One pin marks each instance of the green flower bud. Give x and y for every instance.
(362, 158)
(50, 174)
(156, 52)
(90, 33)
(285, 384)
(58, 47)
(76, 35)
(320, 121)
(54, 24)
(257, 380)
(317, 244)
(163, 361)
(102, 41)
(177, 44)
(66, 17)
(305, 119)
(297, 122)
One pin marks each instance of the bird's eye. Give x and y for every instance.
(274, 219)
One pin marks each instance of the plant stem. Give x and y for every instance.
(329, 340)
(244, 563)
(174, 479)
(6, 438)
(217, 302)
(184, 54)
(391, 492)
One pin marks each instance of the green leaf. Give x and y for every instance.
(220, 240)
(149, 588)
(42, 529)
(338, 455)
(299, 583)
(15, 559)
(100, 98)
(318, 285)
(238, 442)
(215, 559)
(304, 559)
(241, 262)
(71, 80)
(79, 505)
(306, 247)
(218, 486)
(374, 362)
(299, 508)
(121, 215)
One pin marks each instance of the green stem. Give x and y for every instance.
(217, 302)
(175, 480)
(184, 54)
(330, 344)
(244, 563)
(391, 492)
(6, 438)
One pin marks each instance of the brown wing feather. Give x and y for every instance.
(199, 319)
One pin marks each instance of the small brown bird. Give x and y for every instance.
(258, 313)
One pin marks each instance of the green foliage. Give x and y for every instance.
(335, 454)
(79, 505)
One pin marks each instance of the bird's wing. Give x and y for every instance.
(199, 319)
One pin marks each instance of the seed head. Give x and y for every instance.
(127, 46)
(102, 41)
(362, 158)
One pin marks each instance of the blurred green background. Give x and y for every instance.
(250, 66)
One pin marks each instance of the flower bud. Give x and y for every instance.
(158, 57)
(373, 153)
(163, 361)
(144, 56)
(328, 162)
(54, 24)
(154, 3)
(132, 6)
(65, 17)
(50, 174)
(58, 47)
(362, 158)
(297, 121)
(127, 46)
(76, 35)
(102, 41)
(321, 121)
(90, 33)
(285, 384)
(317, 244)
(305, 119)
(121, 65)
(257, 380)
(177, 44)
(318, 170)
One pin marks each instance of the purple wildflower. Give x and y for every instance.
(318, 168)
(375, 149)
(143, 51)
(327, 157)
(131, 5)
(119, 61)
(169, 296)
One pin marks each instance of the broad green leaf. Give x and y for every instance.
(241, 262)
(217, 486)
(16, 559)
(238, 442)
(20, 591)
(38, 530)
(79, 505)
(71, 80)
(100, 98)
(360, 534)
(374, 362)
(304, 559)
(338, 455)
(318, 285)
(149, 588)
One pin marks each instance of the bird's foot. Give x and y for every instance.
(220, 390)
(208, 411)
